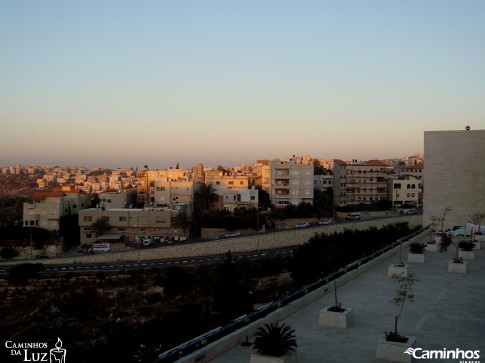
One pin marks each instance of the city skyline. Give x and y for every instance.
(155, 83)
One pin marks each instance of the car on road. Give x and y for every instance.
(302, 225)
(325, 222)
(232, 234)
(353, 216)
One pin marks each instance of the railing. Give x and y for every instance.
(197, 343)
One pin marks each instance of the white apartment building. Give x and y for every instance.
(242, 198)
(454, 175)
(291, 183)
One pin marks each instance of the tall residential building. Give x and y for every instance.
(359, 182)
(198, 173)
(291, 183)
(454, 175)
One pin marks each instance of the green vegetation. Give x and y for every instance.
(8, 253)
(466, 245)
(417, 247)
(239, 219)
(100, 226)
(275, 340)
(323, 254)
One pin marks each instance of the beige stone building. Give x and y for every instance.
(454, 175)
(167, 191)
(359, 182)
(111, 200)
(47, 208)
(263, 175)
(129, 225)
(290, 183)
(226, 182)
(242, 199)
(405, 189)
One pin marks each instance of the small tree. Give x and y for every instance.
(275, 340)
(100, 226)
(8, 253)
(403, 293)
(446, 242)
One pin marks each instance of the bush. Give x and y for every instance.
(274, 340)
(417, 247)
(8, 253)
(20, 274)
(466, 245)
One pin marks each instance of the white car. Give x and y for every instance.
(325, 222)
(232, 234)
(302, 225)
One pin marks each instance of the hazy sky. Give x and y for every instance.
(127, 83)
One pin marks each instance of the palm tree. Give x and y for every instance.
(184, 222)
(274, 340)
(100, 226)
(205, 195)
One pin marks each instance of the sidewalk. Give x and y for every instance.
(448, 312)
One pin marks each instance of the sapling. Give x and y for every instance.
(403, 294)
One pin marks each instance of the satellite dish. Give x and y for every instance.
(467, 128)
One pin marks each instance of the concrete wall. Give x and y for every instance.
(240, 244)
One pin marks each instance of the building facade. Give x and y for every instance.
(454, 175)
(359, 182)
(404, 190)
(290, 183)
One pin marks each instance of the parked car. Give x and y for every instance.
(325, 222)
(353, 216)
(302, 225)
(412, 211)
(232, 234)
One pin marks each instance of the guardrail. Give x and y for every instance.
(189, 347)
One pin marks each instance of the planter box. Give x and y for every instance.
(432, 247)
(459, 268)
(290, 357)
(334, 319)
(467, 255)
(397, 270)
(416, 257)
(394, 351)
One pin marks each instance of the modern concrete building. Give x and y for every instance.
(110, 200)
(167, 191)
(291, 183)
(242, 199)
(226, 182)
(359, 182)
(323, 182)
(454, 175)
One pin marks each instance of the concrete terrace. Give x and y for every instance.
(448, 312)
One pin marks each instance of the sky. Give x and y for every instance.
(132, 83)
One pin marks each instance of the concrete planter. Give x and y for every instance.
(290, 357)
(416, 257)
(335, 319)
(459, 268)
(432, 247)
(397, 270)
(467, 255)
(394, 351)
(480, 237)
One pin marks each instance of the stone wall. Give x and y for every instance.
(240, 244)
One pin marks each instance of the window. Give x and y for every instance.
(241, 183)
(409, 186)
(122, 219)
(397, 185)
(253, 197)
(88, 218)
(218, 183)
(231, 183)
(160, 189)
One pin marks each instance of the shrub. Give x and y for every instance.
(274, 340)
(8, 253)
(20, 274)
(466, 245)
(417, 247)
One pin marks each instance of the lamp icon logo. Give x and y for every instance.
(58, 354)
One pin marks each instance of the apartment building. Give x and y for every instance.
(322, 182)
(220, 181)
(198, 173)
(167, 191)
(414, 170)
(146, 181)
(112, 200)
(359, 182)
(290, 183)
(242, 199)
(454, 175)
(404, 189)
(263, 175)
(47, 208)
(129, 225)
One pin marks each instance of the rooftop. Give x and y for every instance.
(449, 312)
